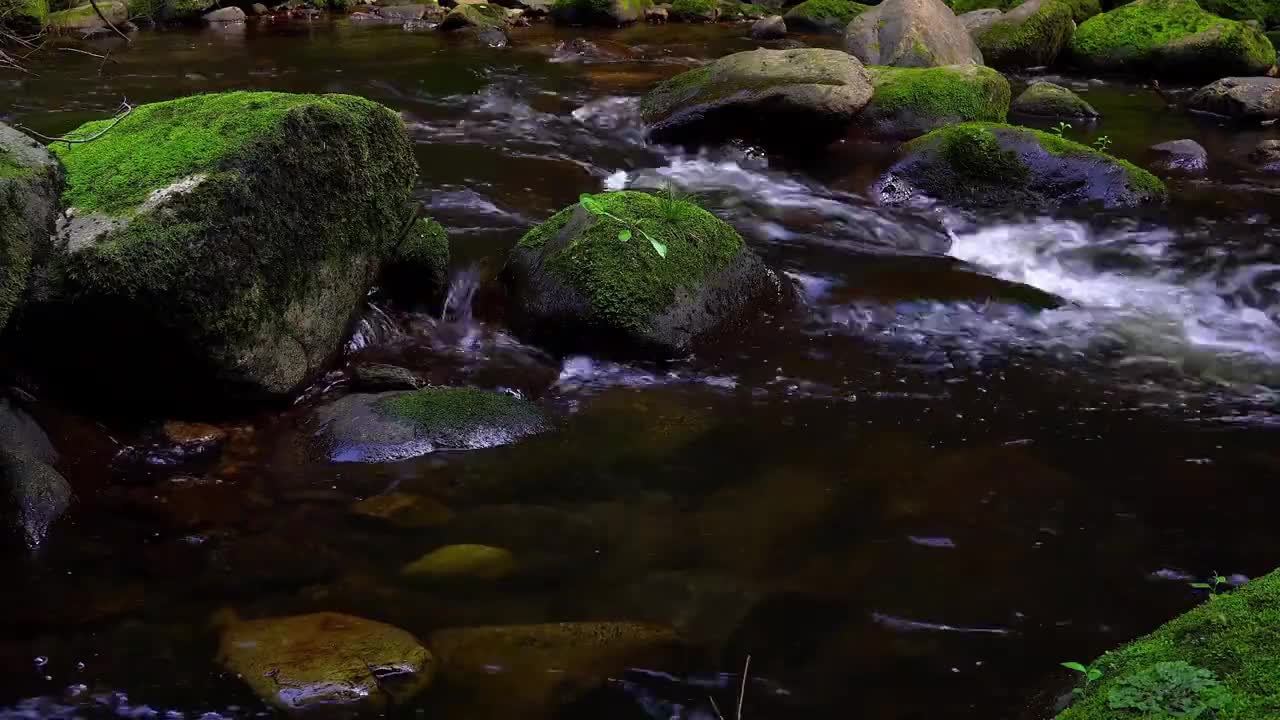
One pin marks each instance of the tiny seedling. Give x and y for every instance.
(1102, 142)
(1214, 586)
(595, 207)
(1060, 128)
(1090, 675)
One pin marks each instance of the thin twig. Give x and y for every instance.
(742, 692)
(98, 10)
(126, 108)
(82, 52)
(715, 707)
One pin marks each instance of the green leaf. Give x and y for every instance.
(1202, 586)
(1076, 666)
(624, 235)
(658, 247)
(591, 204)
(1093, 674)
(1220, 580)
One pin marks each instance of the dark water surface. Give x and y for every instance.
(908, 500)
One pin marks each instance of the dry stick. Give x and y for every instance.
(742, 692)
(98, 10)
(70, 141)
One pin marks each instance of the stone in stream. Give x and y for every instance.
(402, 13)
(1241, 98)
(151, 261)
(694, 11)
(909, 102)
(773, 27)
(734, 11)
(479, 17)
(377, 377)
(1030, 35)
(575, 282)
(1045, 99)
(403, 510)
(385, 427)
(30, 182)
(259, 9)
(325, 660)
(991, 165)
(823, 16)
(459, 564)
(225, 15)
(418, 270)
(977, 19)
(1171, 38)
(1186, 156)
(783, 97)
(83, 17)
(609, 13)
(1266, 155)
(32, 494)
(910, 33)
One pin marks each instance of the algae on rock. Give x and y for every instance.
(909, 102)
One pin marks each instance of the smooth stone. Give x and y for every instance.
(975, 20)
(225, 15)
(461, 563)
(1186, 156)
(1045, 99)
(1242, 98)
(1266, 155)
(911, 33)
(770, 28)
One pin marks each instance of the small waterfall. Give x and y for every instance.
(375, 327)
(462, 292)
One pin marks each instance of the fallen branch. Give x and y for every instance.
(125, 109)
(104, 19)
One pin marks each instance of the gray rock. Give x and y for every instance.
(1187, 156)
(978, 19)
(911, 33)
(34, 495)
(225, 15)
(770, 28)
(493, 37)
(1242, 98)
(1044, 99)
(1266, 156)
(259, 9)
(403, 13)
(656, 15)
(30, 183)
(20, 434)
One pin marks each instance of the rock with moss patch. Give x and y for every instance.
(1173, 38)
(325, 661)
(378, 377)
(990, 165)
(783, 97)
(84, 17)
(460, 563)
(1181, 156)
(1030, 35)
(585, 655)
(1241, 98)
(976, 20)
(417, 271)
(770, 28)
(694, 10)
(1044, 99)
(385, 427)
(732, 10)
(609, 13)
(30, 183)
(220, 244)
(583, 280)
(32, 494)
(823, 16)
(1081, 10)
(1264, 12)
(911, 33)
(909, 102)
(478, 17)
(1266, 156)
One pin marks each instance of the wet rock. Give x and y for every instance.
(403, 510)
(576, 283)
(375, 377)
(84, 17)
(21, 434)
(609, 13)
(33, 496)
(1030, 35)
(734, 11)
(225, 15)
(1172, 38)
(418, 270)
(695, 10)
(478, 17)
(403, 13)
(460, 563)
(911, 33)
(1044, 99)
(1266, 156)
(259, 9)
(384, 427)
(989, 165)
(909, 102)
(585, 655)
(493, 37)
(598, 51)
(656, 15)
(817, 92)
(192, 436)
(1186, 156)
(532, 8)
(318, 184)
(1241, 98)
(30, 183)
(823, 16)
(770, 28)
(328, 659)
(979, 19)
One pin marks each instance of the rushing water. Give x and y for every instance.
(910, 499)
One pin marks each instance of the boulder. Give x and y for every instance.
(656, 15)
(732, 10)
(30, 183)
(989, 165)
(151, 257)
(770, 28)
(609, 13)
(577, 280)
(402, 510)
(259, 9)
(910, 33)
(376, 377)
(823, 16)
(1266, 13)
(1185, 156)
(694, 10)
(32, 494)
(403, 13)
(785, 97)
(1044, 99)
(1266, 155)
(478, 17)
(83, 17)
(909, 102)
(326, 660)
(460, 563)
(975, 20)
(225, 15)
(1081, 10)
(1170, 38)
(385, 427)
(418, 270)
(1241, 98)
(1030, 35)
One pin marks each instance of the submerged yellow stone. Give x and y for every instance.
(461, 562)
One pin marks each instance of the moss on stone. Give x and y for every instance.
(960, 7)
(459, 409)
(823, 14)
(457, 563)
(957, 92)
(1049, 100)
(695, 10)
(1236, 637)
(627, 283)
(9, 166)
(603, 12)
(484, 17)
(1159, 32)
(734, 10)
(1266, 12)
(1014, 41)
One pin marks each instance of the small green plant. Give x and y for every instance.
(1060, 128)
(670, 200)
(1171, 690)
(1214, 586)
(595, 207)
(1090, 675)
(1102, 142)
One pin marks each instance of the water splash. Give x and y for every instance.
(461, 296)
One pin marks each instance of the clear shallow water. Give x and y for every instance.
(910, 499)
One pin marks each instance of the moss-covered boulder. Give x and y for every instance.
(83, 17)
(585, 655)
(642, 273)
(1030, 35)
(30, 183)
(770, 28)
(823, 16)
(694, 10)
(989, 165)
(1044, 99)
(1081, 10)
(1242, 98)
(735, 11)
(910, 33)
(220, 244)
(909, 102)
(1264, 12)
(609, 13)
(785, 97)
(477, 17)
(169, 12)
(325, 660)
(460, 564)
(1173, 38)
(384, 427)
(1219, 660)
(417, 271)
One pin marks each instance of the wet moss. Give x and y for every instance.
(9, 166)
(599, 11)
(1136, 34)
(459, 409)
(960, 7)
(1236, 637)
(459, 563)
(695, 10)
(484, 17)
(1035, 40)
(1266, 12)
(966, 93)
(832, 13)
(734, 10)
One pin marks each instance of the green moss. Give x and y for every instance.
(459, 409)
(1035, 40)
(599, 11)
(454, 563)
(485, 17)
(71, 16)
(9, 166)
(966, 93)
(627, 282)
(1266, 12)
(695, 10)
(1133, 33)
(734, 10)
(1236, 637)
(426, 246)
(834, 13)
(960, 7)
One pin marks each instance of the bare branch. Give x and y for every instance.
(742, 692)
(125, 109)
(81, 52)
(104, 19)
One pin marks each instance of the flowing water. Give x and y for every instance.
(911, 498)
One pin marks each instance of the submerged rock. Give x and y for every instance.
(576, 283)
(1242, 98)
(151, 259)
(909, 102)
(773, 27)
(1044, 99)
(375, 377)
(404, 510)
(990, 165)
(304, 662)
(460, 563)
(911, 33)
(1030, 35)
(785, 97)
(1171, 38)
(823, 16)
(1186, 156)
(392, 426)
(610, 13)
(30, 182)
